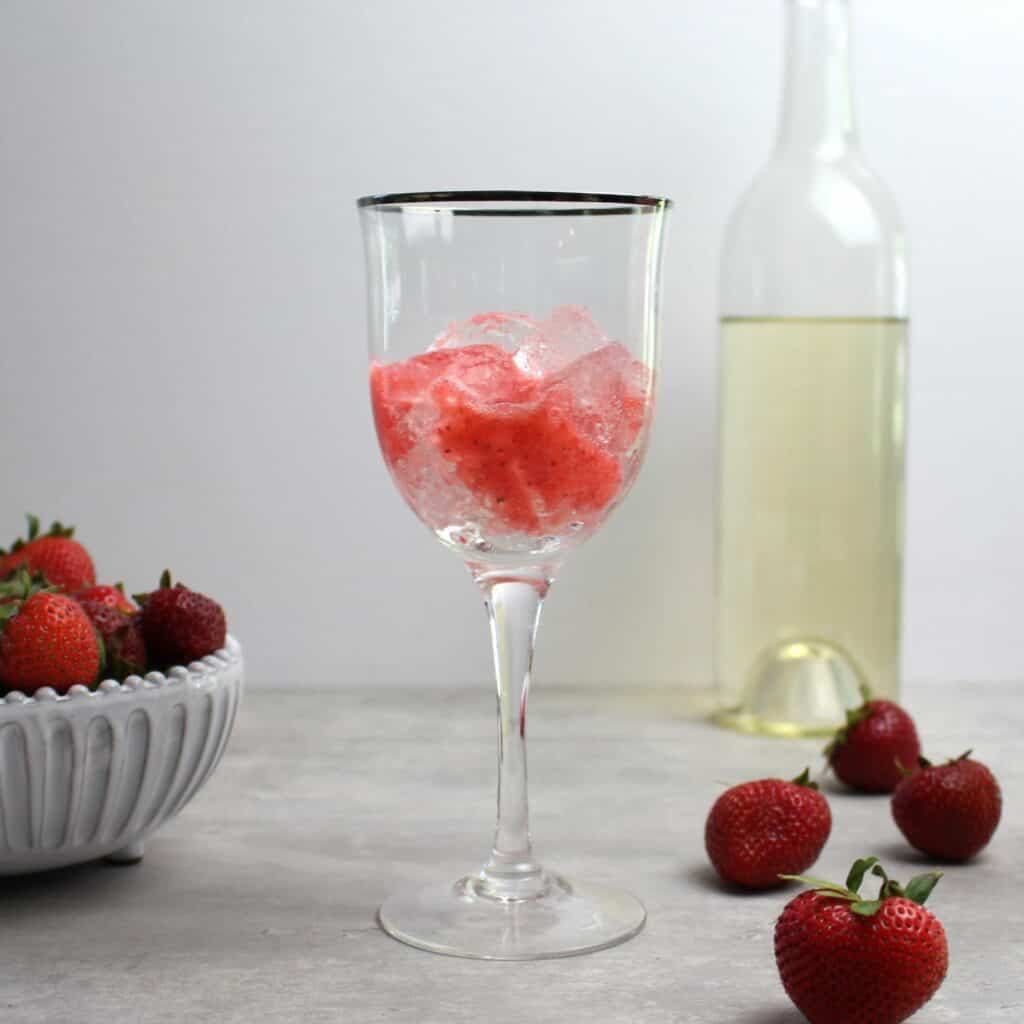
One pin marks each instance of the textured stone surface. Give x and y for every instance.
(257, 904)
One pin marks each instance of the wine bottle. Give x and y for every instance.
(812, 410)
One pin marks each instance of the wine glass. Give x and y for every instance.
(513, 345)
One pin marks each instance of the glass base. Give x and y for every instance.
(459, 920)
(800, 688)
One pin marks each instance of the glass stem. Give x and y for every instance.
(513, 609)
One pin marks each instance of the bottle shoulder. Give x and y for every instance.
(843, 196)
(815, 236)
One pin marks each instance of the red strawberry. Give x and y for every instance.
(60, 558)
(47, 640)
(121, 633)
(847, 960)
(112, 597)
(760, 830)
(877, 739)
(180, 625)
(949, 811)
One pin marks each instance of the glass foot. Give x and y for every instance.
(566, 919)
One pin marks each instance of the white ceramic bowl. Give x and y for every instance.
(91, 773)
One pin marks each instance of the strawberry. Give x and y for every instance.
(949, 811)
(760, 830)
(56, 554)
(877, 739)
(121, 632)
(112, 597)
(844, 959)
(47, 640)
(180, 625)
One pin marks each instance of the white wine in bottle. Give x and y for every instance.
(812, 412)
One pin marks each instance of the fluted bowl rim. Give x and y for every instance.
(207, 671)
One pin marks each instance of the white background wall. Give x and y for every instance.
(182, 360)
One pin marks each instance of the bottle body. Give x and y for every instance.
(811, 517)
(812, 413)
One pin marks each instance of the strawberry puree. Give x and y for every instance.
(469, 434)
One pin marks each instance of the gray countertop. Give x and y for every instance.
(257, 904)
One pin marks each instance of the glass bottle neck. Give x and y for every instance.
(817, 106)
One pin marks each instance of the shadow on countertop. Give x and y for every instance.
(702, 876)
(60, 885)
(774, 1015)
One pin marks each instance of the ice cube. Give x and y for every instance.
(566, 335)
(606, 394)
(431, 486)
(505, 329)
(484, 374)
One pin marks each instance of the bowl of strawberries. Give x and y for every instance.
(114, 711)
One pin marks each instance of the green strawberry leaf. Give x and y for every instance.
(860, 868)
(867, 908)
(58, 529)
(33, 526)
(820, 885)
(20, 584)
(804, 779)
(165, 579)
(811, 881)
(920, 888)
(853, 716)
